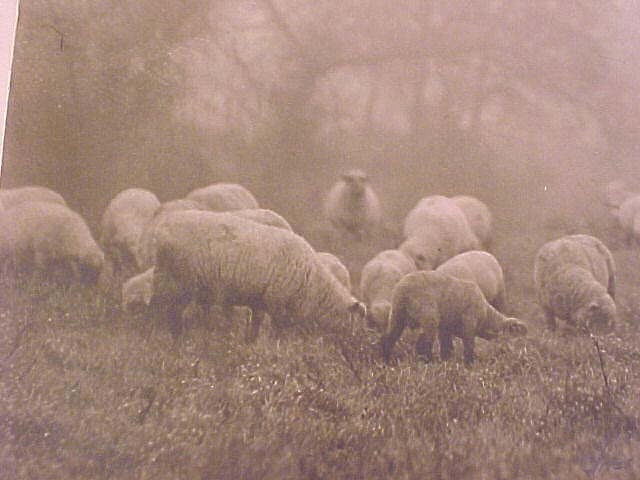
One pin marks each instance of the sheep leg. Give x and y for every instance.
(395, 328)
(446, 344)
(499, 303)
(552, 323)
(253, 327)
(468, 341)
(424, 347)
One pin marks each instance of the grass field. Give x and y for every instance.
(87, 392)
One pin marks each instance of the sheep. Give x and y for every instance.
(336, 267)
(11, 197)
(436, 230)
(629, 218)
(442, 305)
(481, 268)
(478, 216)
(222, 197)
(574, 278)
(44, 237)
(222, 259)
(352, 206)
(145, 249)
(377, 279)
(137, 291)
(123, 223)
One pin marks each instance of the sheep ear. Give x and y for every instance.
(593, 306)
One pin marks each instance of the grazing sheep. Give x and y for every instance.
(123, 223)
(629, 218)
(478, 216)
(444, 306)
(222, 197)
(575, 281)
(436, 230)
(483, 269)
(11, 197)
(336, 267)
(145, 250)
(352, 206)
(221, 259)
(45, 236)
(378, 277)
(137, 291)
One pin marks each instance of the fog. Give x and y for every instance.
(531, 106)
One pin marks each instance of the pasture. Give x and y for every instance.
(89, 392)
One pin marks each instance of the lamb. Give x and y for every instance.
(11, 197)
(336, 267)
(442, 305)
(44, 237)
(629, 218)
(483, 269)
(352, 206)
(219, 258)
(123, 223)
(378, 277)
(222, 197)
(436, 230)
(478, 216)
(575, 281)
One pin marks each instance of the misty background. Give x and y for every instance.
(531, 106)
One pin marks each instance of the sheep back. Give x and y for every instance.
(11, 197)
(223, 197)
(483, 269)
(478, 216)
(436, 230)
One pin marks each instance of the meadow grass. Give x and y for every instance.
(89, 392)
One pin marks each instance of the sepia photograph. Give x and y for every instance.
(347, 240)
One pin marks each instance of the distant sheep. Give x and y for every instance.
(478, 216)
(336, 267)
(378, 277)
(575, 281)
(352, 206)
(123, 223)
(137, 291)
(45, 237)
(629, 218)
(436, 229)
(616, 192)
(221, 259)
(483, 269)
(223, 197)
(11, 197)
(444, 306)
